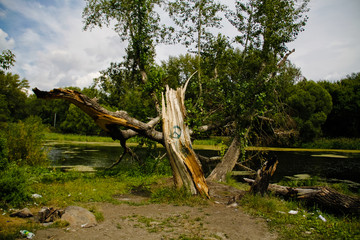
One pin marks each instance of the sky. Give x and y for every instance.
(52, 49)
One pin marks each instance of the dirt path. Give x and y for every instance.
(159, 221)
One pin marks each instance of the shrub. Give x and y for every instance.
(25, 142)
(3, 152)
(14, 186)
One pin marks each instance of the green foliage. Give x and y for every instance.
(310, 104)
(14, 186)
(195, 18)
(25, 142)
(12, 97)
(134, 21)
(268, 25)
(4, 152)
(344, 119)
(77, 121)
(7, 59)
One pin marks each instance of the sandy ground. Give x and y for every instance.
(160, 221)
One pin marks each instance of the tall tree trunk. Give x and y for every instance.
(228, 162)
(185, 165)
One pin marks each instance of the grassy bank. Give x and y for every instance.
(50, 136)
(334, 143)
(218, 143)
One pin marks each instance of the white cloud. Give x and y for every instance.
(329, 48)
(54, 51)
(5, 41)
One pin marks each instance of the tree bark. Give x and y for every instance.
(228, 162)
(324, 196)
(185, 165)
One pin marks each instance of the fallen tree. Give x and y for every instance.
(186, 167)
(323, 196)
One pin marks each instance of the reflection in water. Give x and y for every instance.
(345, 166)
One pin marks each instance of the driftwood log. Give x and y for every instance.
(323, 196)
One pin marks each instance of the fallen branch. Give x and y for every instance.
(324, 196)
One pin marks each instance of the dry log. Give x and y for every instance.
(323, 196)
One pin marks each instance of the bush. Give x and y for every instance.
(3, 152)
(14, 186)
(25, 142)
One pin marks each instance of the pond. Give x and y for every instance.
(326, 164)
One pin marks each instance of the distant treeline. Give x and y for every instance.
(312, 109)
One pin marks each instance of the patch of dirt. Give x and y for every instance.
(220, 220)
(161, 221)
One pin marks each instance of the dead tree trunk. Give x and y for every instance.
(175, 137)
(324, 196)
(228, 162)
(185, 165)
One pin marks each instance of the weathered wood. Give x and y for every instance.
(228, 162)
(185, 165)
(324, 196)
(105, 119)
(263, 176)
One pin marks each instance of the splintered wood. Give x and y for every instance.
(185, 165)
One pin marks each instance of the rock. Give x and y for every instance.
(49, 214)
(23, 213)
(78, 217)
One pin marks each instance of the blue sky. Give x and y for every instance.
(52, 50)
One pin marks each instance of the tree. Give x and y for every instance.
(343, 119)
(265, 27)
(310, 104)
(136, 22)
(244, 87)
(195, 17)
(12, 97)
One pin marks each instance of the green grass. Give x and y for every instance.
(304, 225)
(74, 137)
(177, 197)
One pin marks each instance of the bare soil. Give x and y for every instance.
(162, 221)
